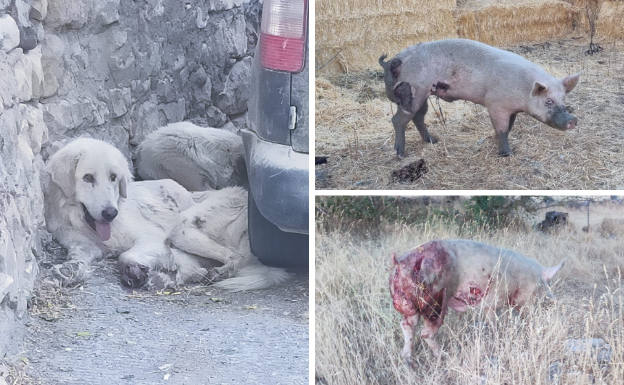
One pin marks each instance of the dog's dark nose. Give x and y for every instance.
(109, 214)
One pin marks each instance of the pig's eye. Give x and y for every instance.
(549, 102)
(113, 177)
(88, 178)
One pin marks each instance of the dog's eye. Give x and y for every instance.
(88, 178)
(113, 177)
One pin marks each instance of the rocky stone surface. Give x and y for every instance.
(9, 33)
(596, 347)
(597, 350)
(22, 133)
(111, 69)
(118, 65)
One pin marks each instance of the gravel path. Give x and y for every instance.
(102, 333)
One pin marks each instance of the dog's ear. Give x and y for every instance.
(62, 169)
(123, 186)
(125, 175)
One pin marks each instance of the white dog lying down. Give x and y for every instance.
(198, 158)
(164, 234)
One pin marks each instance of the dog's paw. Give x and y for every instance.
(70, 273)
(219, 274)
(133, 275)
(159, 280)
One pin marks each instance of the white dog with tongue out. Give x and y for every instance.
(161, 231)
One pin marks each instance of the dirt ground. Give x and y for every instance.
(354, 132)
(102, 333)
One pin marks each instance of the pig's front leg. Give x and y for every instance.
(432, 324)
(407, 325)
(502, 122)
(419, 121)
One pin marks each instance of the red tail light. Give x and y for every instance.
(283, 34)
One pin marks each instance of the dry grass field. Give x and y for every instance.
(354, 131)
(358, 338)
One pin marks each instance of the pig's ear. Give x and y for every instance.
(569, 82)
(539, 89)
(549, 272)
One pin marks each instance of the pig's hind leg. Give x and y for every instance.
(407, 99)
(419, 121)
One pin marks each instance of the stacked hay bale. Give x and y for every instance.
(611, 20)
(352, 34)
(506, 22)
(609, 24)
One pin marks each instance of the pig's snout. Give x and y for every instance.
(572, 124)
(562, 119)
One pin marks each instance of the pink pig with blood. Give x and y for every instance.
(460, 274)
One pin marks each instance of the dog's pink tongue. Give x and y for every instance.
(103, 230)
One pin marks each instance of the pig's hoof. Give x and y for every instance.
(407, 358)
(504, 153)
(431, 139)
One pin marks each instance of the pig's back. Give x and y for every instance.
(474, 256)
(469, 52)
(501, 276)
(479, 64)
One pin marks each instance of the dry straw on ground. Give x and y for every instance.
(353, 129)
(358, 338)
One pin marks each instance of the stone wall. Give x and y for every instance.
(22, 132)
(118, 69)
(110, 69)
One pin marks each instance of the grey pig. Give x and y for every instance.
(460, 274)
(503, 82)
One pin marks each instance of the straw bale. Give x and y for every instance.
(338, 32)
(358, 9)
(611, 20)
(507, 22)
(351, 35)
(358, 57)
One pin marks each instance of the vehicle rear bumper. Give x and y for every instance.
(278, 180)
